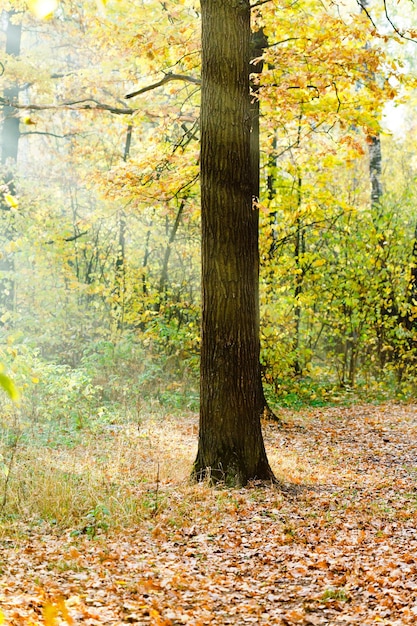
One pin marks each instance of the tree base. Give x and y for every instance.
(233, 473)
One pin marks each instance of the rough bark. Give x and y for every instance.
(231, 446)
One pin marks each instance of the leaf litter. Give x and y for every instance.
(335, 542)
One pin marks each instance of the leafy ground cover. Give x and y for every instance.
(334, 543)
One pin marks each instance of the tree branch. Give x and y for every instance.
(166, 79)
(70, 106)
(259, 3)
(365, 10)
(277, 43)
(394, 27)
(339, 104)
(362, 5)
(39, 132)
(72, 238)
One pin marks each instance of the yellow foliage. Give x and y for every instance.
(42, 8)
(11, 201)
(8, 385)
(50, 614)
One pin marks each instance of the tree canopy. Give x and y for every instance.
(101, 216)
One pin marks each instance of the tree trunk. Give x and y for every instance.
(231, 446)
(10, 134)
(119, 290)
(163, 281)
(299, 252)
(258, 44)
(9, 138)
(375, 169)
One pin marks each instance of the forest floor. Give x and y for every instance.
(334, 543)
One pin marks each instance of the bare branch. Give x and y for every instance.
(166, 79)
(398, 32)
(39, 132)
(362, 4)
(69, 106)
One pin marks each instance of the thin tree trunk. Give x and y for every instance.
(120, 262)
(272, 166)
(120, 273)
(10, 135)
(146, 256)
(259, 42)
(230, 446)
(375, 169)
(164, 272)
(299, 252)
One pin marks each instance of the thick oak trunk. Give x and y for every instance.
(231, 446)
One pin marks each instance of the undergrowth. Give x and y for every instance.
(111, 442)
(113, 476)
(320, 391)
(92, 447)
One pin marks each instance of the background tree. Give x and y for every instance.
(9, 138)
(107, 249)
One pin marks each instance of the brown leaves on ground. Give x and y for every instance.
(336, 543)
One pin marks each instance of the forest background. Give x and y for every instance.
(100, 318)
(100, 213)
(100, 271)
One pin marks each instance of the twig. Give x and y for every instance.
(394, 27)
(365, 10)
(396, 30)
